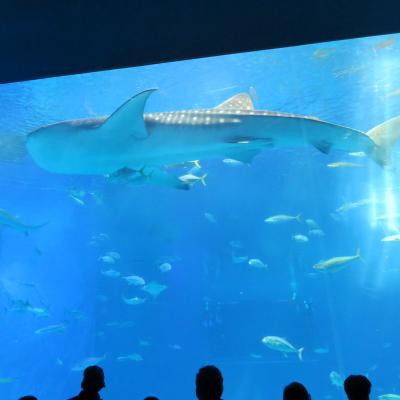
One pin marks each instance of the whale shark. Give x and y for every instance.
(130, 145)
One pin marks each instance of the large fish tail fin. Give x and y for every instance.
(385, 137)
(203, 179)
(300, 353)
(358, 255)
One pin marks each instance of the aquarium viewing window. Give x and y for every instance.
(238, 210)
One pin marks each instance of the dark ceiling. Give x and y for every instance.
(57, 37)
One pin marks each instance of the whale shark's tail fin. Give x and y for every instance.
(385, 136)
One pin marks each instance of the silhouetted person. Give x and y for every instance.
(357, 387)
(209, 383)
(28, 398)
(296, 391)
(151, 398)
(92, 383)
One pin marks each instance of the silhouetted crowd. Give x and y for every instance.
(210, 386)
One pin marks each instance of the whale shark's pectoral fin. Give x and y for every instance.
(323, 146)
(241, 101)
(245, 156)
(128, 120)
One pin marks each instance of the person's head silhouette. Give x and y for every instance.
(93, 379)
(28, 398)
(209, 383)
(151, 398)
(357, 387)
(296, 391)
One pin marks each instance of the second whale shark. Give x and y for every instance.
(134, 146)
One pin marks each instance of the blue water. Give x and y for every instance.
(213, 310)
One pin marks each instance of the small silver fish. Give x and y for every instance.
(165, 267)
(257, 263)
(316, 232)
(133, 301)
(77, 200)
(336, 379)
(343, 164)
(312, 223)
(39, 311)
(130, 357)
(389, 396)
(359, 154)
(281, 218)
(231, 161)
(111, 273)
(210, 217)
(134, 280)
(59, 328)
(114, 255)
(107, 259)
(300, 238)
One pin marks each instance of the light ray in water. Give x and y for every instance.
(373, 209)
(389, 223)
(390, 203)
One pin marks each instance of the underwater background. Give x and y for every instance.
(62, 286)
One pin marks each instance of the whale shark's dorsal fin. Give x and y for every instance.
(128, 119)
(241, 101)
